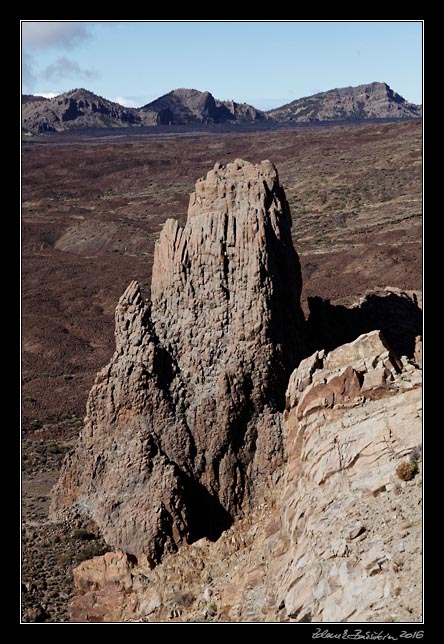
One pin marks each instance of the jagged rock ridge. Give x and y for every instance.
(184, 424)
(188, 106)
(81, 108)
(78, 108)
(372, 101)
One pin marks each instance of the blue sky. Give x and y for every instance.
(266, 64)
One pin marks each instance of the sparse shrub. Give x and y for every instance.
(407, 470)
(68, 376)
(64, 558)
(82, 534)
(185, 599)
(212, 608)
(53, 448)
(89, 551)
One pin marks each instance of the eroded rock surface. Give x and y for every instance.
(184, 424)
(337, 535)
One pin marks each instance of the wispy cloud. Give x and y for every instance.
(126, 102)
(42, 34)
(65, 68)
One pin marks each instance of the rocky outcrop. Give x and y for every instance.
(352, 417)
(278, 477)
(184, 425)
(190, 106)
(241, 111)
(81, 108)
(337, 534)
(372, 101)
(78, 108)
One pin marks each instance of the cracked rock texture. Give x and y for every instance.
(336, 536)
(184, 425)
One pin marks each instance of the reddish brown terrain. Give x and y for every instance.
(91, 211)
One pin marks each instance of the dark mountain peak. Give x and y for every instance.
(181, 95)
(77, 108)
(82, 94)
(186, 92)
(192, 106)
(79, 92)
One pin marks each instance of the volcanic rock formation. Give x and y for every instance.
(184, 425)
(78, 108)
(371, 101)
(337, 534)
(187, 106)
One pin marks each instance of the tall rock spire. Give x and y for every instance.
(183, 425)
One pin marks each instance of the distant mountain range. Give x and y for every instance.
(80, 108)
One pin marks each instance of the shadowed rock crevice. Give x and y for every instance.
(208, 518)
(164, 367)
(396, 313)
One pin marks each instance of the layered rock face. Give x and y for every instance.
(183, 425)
(353, 415)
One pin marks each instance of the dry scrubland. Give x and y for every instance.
(92, 209)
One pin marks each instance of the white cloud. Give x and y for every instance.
(47, 94)
(42, 34)
(126, 102)
(65, 68)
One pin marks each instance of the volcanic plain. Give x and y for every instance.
(92, 208)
